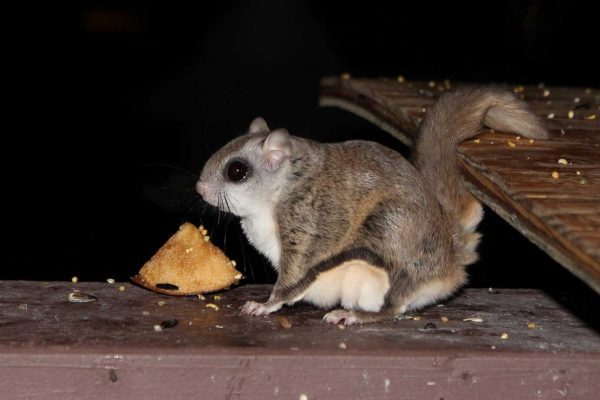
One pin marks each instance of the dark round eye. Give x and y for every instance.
(236, 170)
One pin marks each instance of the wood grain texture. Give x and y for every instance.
(512, 175)
(53, 349)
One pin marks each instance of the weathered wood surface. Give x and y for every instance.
(108, 349)
(514, 176)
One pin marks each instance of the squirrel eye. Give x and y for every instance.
(236, 171)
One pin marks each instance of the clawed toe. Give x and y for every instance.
(337, 316)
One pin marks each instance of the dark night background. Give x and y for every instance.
(118, 104)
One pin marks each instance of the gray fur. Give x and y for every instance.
(360, 200)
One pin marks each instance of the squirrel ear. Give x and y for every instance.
(258, 125)
(277, 148)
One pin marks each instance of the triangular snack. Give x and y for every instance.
(188, 263)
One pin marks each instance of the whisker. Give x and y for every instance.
(180, 169)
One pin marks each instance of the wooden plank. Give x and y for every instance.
(53, 349)
(561, 215)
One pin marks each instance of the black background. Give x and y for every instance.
(115, 106)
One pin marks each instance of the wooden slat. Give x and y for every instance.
(108, 349)
(560, 215)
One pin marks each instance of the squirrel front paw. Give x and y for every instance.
(255, 308)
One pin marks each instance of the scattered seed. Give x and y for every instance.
(473, 319)
(110, 280)
(504, 336)
(79, 297)
(206, 238)
(345, 76)
(238, 276)
(518, 138)
(284, 322)
(582, 181)
(303, 397)
(233, 263)
(531, 325)
(444, 319)
(416, 318)
(213, 306)
(169, 323)
(546, 93)
(219, 326)
(493, 347)
(342, 345)
(430, 325)
(511, 144)
(519, 89)
(161, 303)
(439, 305)
(578, 172)
(74, 279)
(121, 288)
(571, 114)
(216, 297)
(431, 84)
(550, 116)
(477, 141)
(400, 78)
(555, 174)
(576, 100)
(563, 161)
(531, 140)
(145, 312)
(430, 383)
(157, 328)
(112, 375)
(590, 117)
(341, 327)
(201, 297)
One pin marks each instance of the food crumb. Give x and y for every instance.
(519, 89)
(161, 303)
(531, 325)
(563, 161)
(74, 279)
(201, 297)
(477, 141)
(206, 238)
(121, 288)
(110, 280)
(576, 100)
(511, 144)
(531, 140)
(444, 319)
(284, 322)
(416, 318)
(341, 327)
(303, 397)
(431, 383)
(504, 336)
(342, 345)
(555, 174)
(345, 76)
(493, 347)
(213, 306)
(571, 114)
(219, 326)
(590, 117)
(233, 263)
(550, 116)
(546, 93)
(145, 312)
(431, 84)
(204, 232)
(216, 297)
(578, 172)
(400, 79)
(157, 328)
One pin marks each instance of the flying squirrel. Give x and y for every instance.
(355, 225)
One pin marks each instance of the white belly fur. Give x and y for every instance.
(261, 231)
(356, 285)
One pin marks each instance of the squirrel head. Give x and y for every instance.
(249, 172)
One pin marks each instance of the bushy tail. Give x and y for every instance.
(455, 117)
